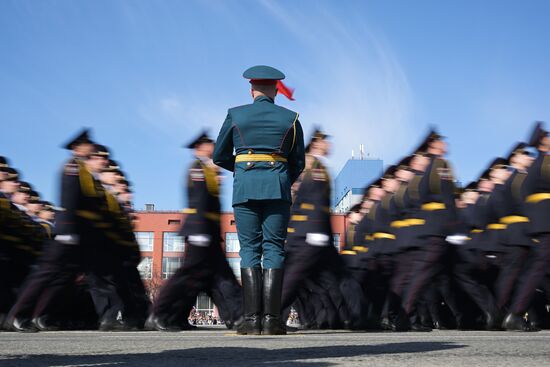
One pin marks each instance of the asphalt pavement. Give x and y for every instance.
(220, 347)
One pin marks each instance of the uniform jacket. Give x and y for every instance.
(511, 203)
(437, 187)
(538, 182)
(310, 212)
(261, 128)
(86, 209)
(203, 193)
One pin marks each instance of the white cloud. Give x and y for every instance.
(178, 115)
(356, 88)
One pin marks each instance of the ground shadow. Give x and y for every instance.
(227, 356)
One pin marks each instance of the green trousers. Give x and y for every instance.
(261, 228)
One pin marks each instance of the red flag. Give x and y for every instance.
(284, 90)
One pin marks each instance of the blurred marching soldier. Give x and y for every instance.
(310, 250)
(514, 241)
(269, 147)
(537, 209)
(21, 237)
(385, 213)
(79, 229)
(436, 198)
(364, 266)
(205, 268)
(353, 217)
(405, 226)
(128, 283)
(471, 261)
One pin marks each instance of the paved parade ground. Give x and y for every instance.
(219, 347)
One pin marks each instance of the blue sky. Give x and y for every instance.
(148, 75)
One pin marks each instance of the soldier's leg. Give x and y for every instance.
(276, 214)
(536, 270)
(300, 263)
(248, 219)
(424, 269)
(513, 262)
(134, 297)
(228, 293)
(177, 296)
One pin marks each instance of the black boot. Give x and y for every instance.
(273, 284)
(252, 297)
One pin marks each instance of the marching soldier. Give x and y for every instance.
(205, 267)
(537, 209)
(310, 250)
(80, 227)
(268, 142)
(514, 241)
(436, 198)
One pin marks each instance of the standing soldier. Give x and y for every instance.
(204, 268)
(269, 147)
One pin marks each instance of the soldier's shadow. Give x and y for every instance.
(227, 356)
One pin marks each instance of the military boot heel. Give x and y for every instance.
(273, 283)
(252, 297)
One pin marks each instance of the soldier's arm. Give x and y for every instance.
(223, 152)
(296, 158)
(70, 191)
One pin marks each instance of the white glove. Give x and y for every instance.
(457, 239)
(317, 239)
(67, 239)
(200, 240)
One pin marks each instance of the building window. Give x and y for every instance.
(235, 265)
(145, 240)
(145, 268)
(170, 265)
(336, 240)
(232, 242)
(204, 303)
(172, 242)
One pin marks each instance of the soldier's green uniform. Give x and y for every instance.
(269, 147)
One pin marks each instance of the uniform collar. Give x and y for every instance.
(20, 207)
(263, 98)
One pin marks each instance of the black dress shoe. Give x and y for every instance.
(43, 324)
(113, 325)
(156, 323)
(493, 322)
(517, 323)
(440, 326)
(23, 325)
(419, 328)
(234, 324)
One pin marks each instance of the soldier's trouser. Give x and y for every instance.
(56, 269)
(512, 263)
(204, 270)
(425, 268)
(466, 269)
(262, 228)
(300, 265)
(537, 267)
